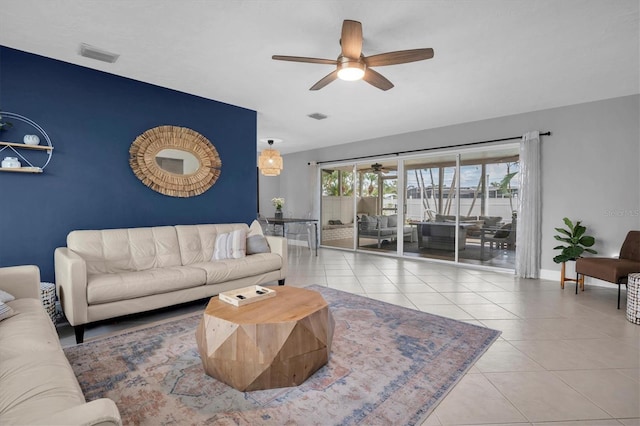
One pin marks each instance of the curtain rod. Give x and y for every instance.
(425, 149)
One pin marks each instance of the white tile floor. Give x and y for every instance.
(562, 359)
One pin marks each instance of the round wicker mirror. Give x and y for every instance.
(145, 149)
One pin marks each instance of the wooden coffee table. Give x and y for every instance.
(273, 343)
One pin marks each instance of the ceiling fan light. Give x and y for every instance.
(349, 70)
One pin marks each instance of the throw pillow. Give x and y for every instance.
(6, 311)
(231, 245)
(6, 297)
(255, 229)
(257, 244)
(383, 221)
(392, 221)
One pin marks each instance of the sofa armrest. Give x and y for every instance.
(71, 285)
(279, 246)
(101, 412)
(21, 281)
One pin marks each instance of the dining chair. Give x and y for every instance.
(267, 228)
(301, 231)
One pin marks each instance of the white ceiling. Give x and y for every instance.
(492, 57)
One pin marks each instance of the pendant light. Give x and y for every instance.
(270, 162)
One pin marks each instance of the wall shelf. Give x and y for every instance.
(25, 146)
(18, 148)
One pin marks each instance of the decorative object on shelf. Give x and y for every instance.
(31, 140)
(20, 149)
(577, 243)
(143, 161)
(270, 162)
(10, 163)
(278, 203)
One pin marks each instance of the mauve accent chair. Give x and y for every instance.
(614, 270)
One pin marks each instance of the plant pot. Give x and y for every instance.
(568, 274)
(278, 214)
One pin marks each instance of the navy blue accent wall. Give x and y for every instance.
(92, 118)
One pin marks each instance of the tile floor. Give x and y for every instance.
(562, 359)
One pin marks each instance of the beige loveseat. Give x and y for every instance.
(37, 384)
(114, 272)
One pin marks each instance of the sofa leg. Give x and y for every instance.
(79, 330)
(281, 282)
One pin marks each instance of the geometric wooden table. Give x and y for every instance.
(273, 343)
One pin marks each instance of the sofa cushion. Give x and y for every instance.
(255, 229)
(36, 385)
(383, 222)
(392, 221)
(30, 330)
(197, 242)
(233, 269)
(368, 223)
(257, 244)
(126, 250)
(105, 288)
(230, 245)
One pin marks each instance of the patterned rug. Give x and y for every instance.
(389, 366)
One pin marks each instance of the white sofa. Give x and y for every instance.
(37, 384)
(109, 273)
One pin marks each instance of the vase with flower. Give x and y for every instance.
(278, 203)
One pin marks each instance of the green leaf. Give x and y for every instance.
(561, 258)
(568, 223)
(579, 231)
(592, 251)
(563, 231)
(573, 252)
(587, 241)
(559, 247)
(565, 240)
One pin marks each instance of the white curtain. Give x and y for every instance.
(529, 209)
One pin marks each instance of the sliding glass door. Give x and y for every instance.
(463, 206)
(452, 206)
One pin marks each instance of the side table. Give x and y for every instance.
(48, 298)
(633, 298)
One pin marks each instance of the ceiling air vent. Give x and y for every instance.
(97, 54)
(317, 116)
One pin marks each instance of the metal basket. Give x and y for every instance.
(633, 298)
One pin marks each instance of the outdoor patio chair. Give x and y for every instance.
(614, 270)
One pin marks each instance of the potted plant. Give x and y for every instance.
(278, 203)
(576, 243)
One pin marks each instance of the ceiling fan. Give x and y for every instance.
(353, 65)
(377, 168)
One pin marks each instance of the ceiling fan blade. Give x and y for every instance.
(376, 79)
(351, 39)
(325, 80)
(304, 59)
(399, 57)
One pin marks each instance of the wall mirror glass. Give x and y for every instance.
(175, 161)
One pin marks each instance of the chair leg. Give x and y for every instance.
(619, 286)
(79, 332)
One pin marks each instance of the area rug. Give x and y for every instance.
(389, 366)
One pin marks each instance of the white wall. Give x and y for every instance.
(590, 166)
